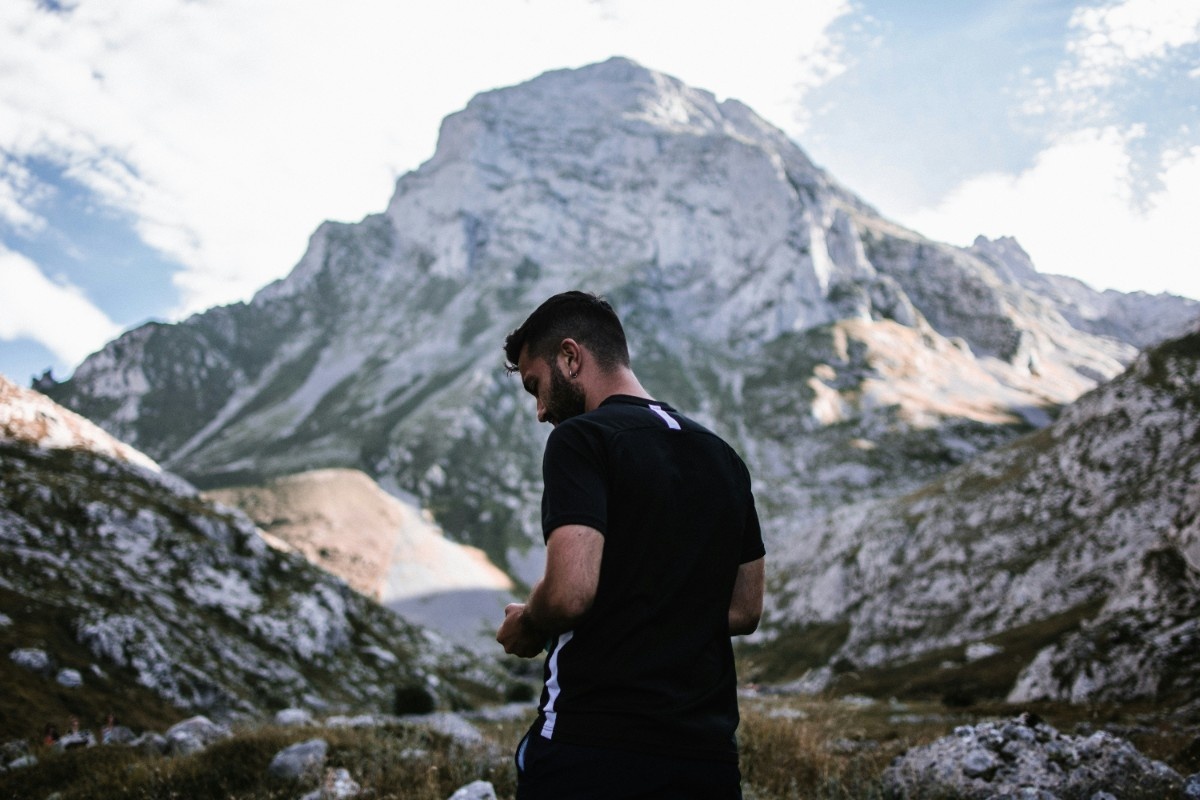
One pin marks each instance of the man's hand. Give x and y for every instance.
(518, 634)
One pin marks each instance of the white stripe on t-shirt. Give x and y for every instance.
(553, 689)
(667, 418)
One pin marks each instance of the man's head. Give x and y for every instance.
(584, 317)
(569, 333)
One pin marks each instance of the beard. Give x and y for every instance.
(566, 400)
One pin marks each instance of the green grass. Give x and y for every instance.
(945, 675)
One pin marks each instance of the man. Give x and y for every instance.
(654, 558)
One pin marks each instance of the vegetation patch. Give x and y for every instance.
(795, 650)
(946, 675)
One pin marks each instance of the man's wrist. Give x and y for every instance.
(531, 625)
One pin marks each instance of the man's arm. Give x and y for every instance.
(562, 597)
(745, 608)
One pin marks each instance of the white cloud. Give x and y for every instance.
(19, 195)
(1108, 40)
(58, 316)
(1072, 211)
(230, 130)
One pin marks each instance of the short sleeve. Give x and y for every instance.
(575, 477)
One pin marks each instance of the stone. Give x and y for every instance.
(71, 741)
(448, 724)
(337, 785)
(183, 744)
(299, 717)
(150, 743)
(31, 659)
(1026, 758)
(71, 678)
(1191, 787)
(200, 728)
(980, 764)
(478, 790)
(303, 761)
(118, 734)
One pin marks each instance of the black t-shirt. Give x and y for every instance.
(651, 666)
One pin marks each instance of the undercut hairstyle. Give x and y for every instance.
(584, 317)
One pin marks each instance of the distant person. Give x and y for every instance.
(654, 558)
(75, 737)
(49, 734)
(108, 729)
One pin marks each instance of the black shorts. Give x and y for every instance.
(552, 770)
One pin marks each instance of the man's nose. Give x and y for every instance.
(541, 411)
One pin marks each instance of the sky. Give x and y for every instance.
(160, 157)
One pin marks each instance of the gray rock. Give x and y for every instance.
(118, 734)
(150, 743)
(478, 790)
(303, 761)
(337, 785)
(31, 659)
(980, 764)
(448, 724)
(200, 728)
(71, 741)
(183, 743)
(1026, 758)
(15, 749)
(15, 754)
(294, 716)
(1191, 787)
(71, 678)
(23, 761)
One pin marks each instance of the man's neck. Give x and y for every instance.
(620, 381)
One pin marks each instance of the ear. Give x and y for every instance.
(571, 354)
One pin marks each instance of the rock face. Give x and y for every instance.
(1086, 525)
(187, 598)
(1025, 757)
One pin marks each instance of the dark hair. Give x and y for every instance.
(584, 317)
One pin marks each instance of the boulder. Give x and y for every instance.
(304, 761)
(183, 744)
(478, 790)
(338, 785)
(15, 754)
(1191, 787)
(199, 728)
(1025, 757)
(75, 739)
(294, 717)
(70, 678)
(118, 734)
(31, 659)
(150, 743)
(448, 724)
(193, 735)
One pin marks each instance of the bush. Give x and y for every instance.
(413, 698)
